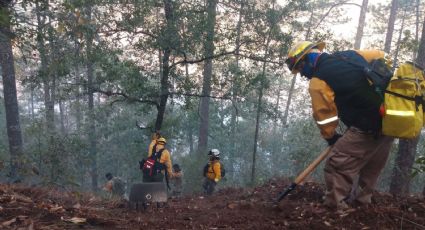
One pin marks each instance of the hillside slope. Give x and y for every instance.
(231, 208)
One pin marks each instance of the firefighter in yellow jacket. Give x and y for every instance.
(164, 159)
(340, 90)
(212, 172)
(154, 140)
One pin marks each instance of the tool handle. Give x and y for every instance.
(313, 165)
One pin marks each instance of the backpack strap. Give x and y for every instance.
(158, 158)
(158, 154)
(417, 99)
(154, 148)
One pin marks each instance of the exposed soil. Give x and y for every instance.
(231, 208)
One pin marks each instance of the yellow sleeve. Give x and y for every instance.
(369, 55)
(324, 109)
(217, 171)
(166, 159)
(153, 142)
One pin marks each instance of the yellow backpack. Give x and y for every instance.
(404, 103)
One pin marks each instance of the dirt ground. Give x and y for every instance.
(230, 208)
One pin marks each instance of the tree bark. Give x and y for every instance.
(360, 26)
(164, 89)
(390, 27)
(9, 91)
(400, 182)
(206, 85)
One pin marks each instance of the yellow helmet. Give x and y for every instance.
(298, 51)
(161, 140)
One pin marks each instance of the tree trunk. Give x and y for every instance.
(32, 102)
(259, 105)
(421, 51)
(190, 137)
(78, 113)
(206, 85)
(164, 89)
(44, 74)
(91, 113)
(288, 102)
(423, 192)
(294, 78)
(400, 182)
(257, 127)
(417, 23)
(62, 117)
(170, 30)
(235, 92)
(390, 27)
(395, 62)
(360, 26)
(9, 90)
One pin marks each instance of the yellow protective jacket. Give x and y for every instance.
(214, 170)
(165, 158)
(322, 96)
(153, 142)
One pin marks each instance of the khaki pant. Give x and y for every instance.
(355, 154)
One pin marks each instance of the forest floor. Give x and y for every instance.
(230, 208)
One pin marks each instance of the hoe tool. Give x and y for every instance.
(304, 174)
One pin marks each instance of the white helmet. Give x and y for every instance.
(214, 152)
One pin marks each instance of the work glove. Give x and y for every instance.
(333, 139)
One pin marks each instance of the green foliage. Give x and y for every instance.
(420, 166)
(128, 39)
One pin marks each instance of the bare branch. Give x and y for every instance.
(333, 6)
(256, 58)
(215, 97)
(112, 31)
(127, 97)
(185, 61)
(199, 95)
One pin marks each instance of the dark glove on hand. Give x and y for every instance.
(333, 139)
